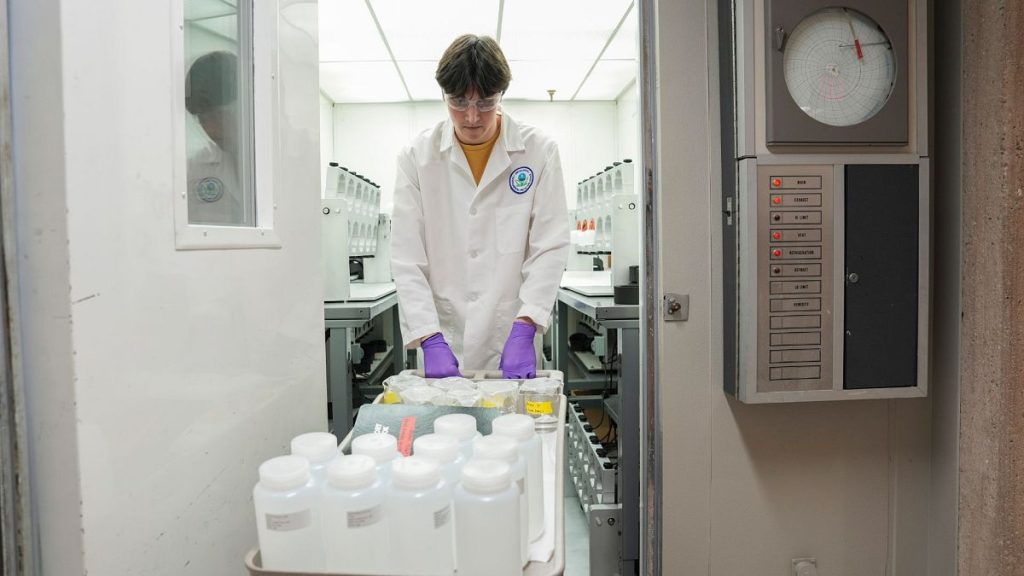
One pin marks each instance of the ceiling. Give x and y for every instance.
(387, 50)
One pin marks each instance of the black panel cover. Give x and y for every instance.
(882, 251)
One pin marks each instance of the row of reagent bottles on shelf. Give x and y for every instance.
(460, 501)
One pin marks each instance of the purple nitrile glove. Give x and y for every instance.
(438, 359)
(518, 359)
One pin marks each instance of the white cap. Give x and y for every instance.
(317, 447)
(487, 476)
(494, 447)
(284, 473)
(352, 472)
(518, 426)
(437, 447)
(462, 426)
(382, 448)
(415, 472)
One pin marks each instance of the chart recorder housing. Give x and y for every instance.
(826, 201)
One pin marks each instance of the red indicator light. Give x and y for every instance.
(776, 252)
(777, 235)
(776, 182)
(776, 199)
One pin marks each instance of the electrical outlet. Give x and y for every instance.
(805, 567)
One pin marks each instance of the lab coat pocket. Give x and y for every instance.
(512, 227)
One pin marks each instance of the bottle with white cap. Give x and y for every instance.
(320, 448)
(520, 427)
(419, 511)
(287, 519)
(355, 526)
(506, 450)
(462, 426)
(487, 531)
(445, 451)
(383, 448)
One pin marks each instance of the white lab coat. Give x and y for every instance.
(469, 259)
(214, 192)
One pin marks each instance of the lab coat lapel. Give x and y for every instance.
(510, 141)
(455, 154)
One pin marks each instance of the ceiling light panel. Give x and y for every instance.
(348, 34)
(421, 30)
(419, 77)
(531, 80)
(559, 29)
(626, 42)
(357, 82)
(608, 80)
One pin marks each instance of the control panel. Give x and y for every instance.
(794, 278)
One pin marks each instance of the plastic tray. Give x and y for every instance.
(554, 567)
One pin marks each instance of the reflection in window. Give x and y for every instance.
(218, 97)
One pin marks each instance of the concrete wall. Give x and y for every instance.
(992, 350)
(748, 488)
(157, 380)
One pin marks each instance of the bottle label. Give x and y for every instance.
(442, 516)
(364, 518)
(539, 407)
(289, 522)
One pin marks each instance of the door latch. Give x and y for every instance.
(675, 307)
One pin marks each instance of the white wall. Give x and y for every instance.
(326, 138)
(627, 117)
(157, 380)
(368, 137)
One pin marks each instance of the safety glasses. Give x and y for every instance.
(461, 104)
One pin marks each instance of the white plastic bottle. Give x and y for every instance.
(462, 426)
(354, 524)
(383, 448)
(287, 520)
(320, 448)
(505, 449)
(487, 532)
(521, 428)
(445, 451)
(419, 511)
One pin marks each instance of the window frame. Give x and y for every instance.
(258, 49)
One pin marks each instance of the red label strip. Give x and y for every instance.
(405, 435)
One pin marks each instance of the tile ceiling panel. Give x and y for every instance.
(352, 82)
(421, 30)
(348, 34)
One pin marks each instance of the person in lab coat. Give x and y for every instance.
(211, 95)
(480, 231)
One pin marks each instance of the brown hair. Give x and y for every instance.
(212, 81)
(473, 62)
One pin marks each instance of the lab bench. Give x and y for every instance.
(372, 308)
(622, 405)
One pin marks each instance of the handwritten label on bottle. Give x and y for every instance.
(289, 522)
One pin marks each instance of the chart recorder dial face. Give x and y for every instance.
(839, 66)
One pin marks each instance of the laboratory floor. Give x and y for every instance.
(577, 539)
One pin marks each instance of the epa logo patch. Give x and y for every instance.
(520, 180)
(210, 189)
